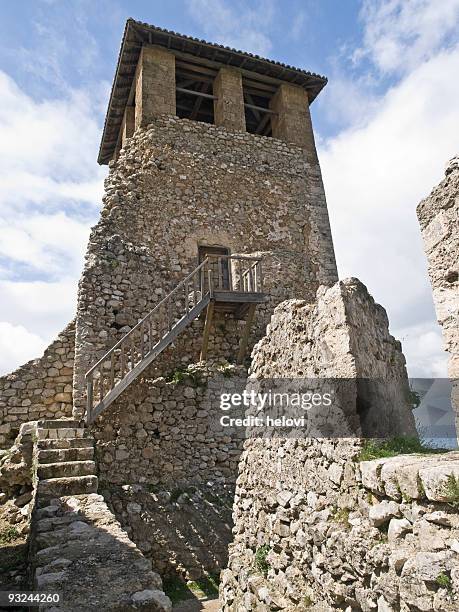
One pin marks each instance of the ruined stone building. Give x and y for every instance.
(438, 216)
(213, 254)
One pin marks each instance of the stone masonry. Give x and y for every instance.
(41, 388)
(316, 528)
(180, 184)
(438, 217)
(168, 467)
(75, 542)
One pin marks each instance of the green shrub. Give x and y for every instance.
(444, 581)
(341, 515)
(261, 562)
(180, 375)
(8, 535)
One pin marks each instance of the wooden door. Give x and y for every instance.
(219, 264)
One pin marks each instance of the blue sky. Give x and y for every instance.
(385, 125)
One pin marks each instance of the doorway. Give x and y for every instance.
(219, 264)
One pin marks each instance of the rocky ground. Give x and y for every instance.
(14, 528)
(184, 531)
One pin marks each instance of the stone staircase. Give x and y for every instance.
(77, 544)
(65, 460)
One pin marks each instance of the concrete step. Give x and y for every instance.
(66, 468)
(72, 485)
(56, 443)
(56, 455)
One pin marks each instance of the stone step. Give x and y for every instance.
(66, 468)
(60, 432)
(56, 443)
(56, 455)
(59, 423)
(71, 485)
(73, 530)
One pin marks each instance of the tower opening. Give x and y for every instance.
(194, 92)
(257, 100)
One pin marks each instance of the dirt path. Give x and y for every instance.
(197, 605)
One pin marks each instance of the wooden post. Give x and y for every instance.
(142, 350)
(123, 361)
(90, 400)
(112, 370)
(206, 334)
(246, 333)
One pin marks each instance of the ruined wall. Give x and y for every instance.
(181, 183)
(343, 335)
(315, 526)
(42, 388)
(317, 529)
(438, 217)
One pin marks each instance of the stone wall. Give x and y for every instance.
(315, 526)
(168, 430)
(438, 217)
(317, 529)
(343, 335)
(183, 530)
(178, 184)
(42, 388)
(168, 468)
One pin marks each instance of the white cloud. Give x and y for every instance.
(47, 149)
(47, 243)
(423, 349)
(399, 34)
(50, 190)
(16, 346)
(375, 174)
(43, 308)
(235, 24)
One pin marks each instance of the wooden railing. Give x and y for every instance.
(235, 273)
(136, 350)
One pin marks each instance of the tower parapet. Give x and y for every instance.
(162, 72)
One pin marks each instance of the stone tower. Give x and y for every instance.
(214, 212)
(211, 154)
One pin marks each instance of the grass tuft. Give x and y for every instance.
(8, 535)
(179, 590)
(400, 445)
(451, 490)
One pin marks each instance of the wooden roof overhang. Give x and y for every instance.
(197, 52)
